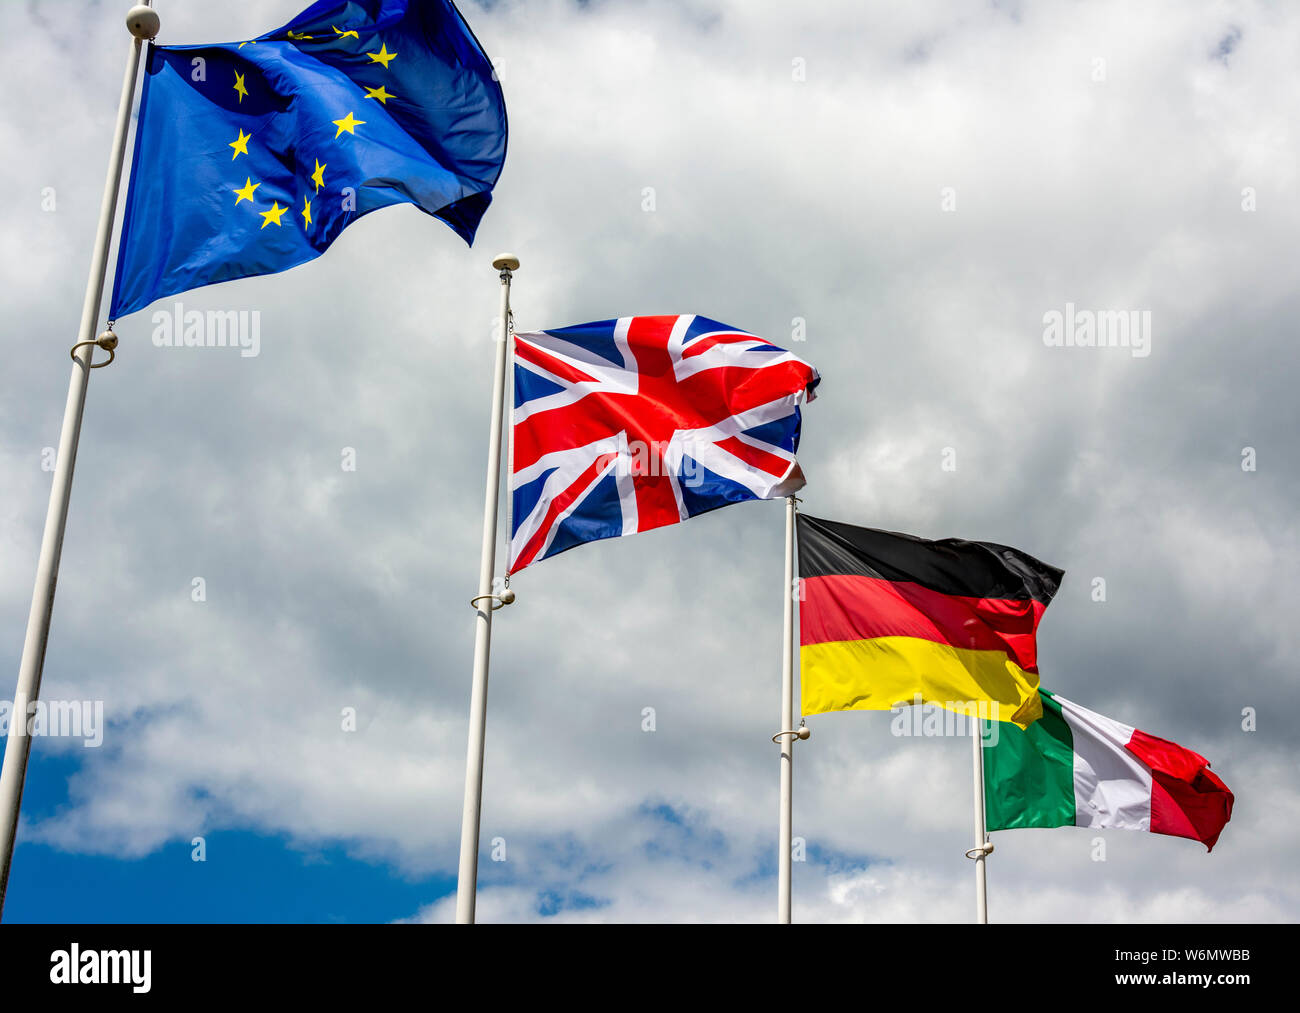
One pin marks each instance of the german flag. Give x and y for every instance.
(884, 617)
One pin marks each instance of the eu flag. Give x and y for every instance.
(252, 157)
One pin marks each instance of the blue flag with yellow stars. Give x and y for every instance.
(251, 158)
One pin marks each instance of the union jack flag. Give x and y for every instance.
(625, 425)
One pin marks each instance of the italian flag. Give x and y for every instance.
(1076, 768)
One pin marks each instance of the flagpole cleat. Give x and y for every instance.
(143, 22)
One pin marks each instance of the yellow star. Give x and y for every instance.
(274, 215)
(239, 85)
(250, 43)
(240, 144)
(300, 36)
(383, 56)
(344, 35)
(380, 93)
(247, 192)
(318, 177)
(347, 123)
(306, 211)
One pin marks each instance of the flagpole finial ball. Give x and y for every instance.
(506, 262)
(142, 22)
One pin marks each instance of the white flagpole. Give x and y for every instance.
(982, 847)
(785, 738)
(485, 603)
(142, 23)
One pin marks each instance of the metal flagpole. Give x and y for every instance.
(142, 23)
(785, 738)
(467, 882)
(982, 847)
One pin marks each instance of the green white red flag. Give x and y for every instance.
(1075, 767)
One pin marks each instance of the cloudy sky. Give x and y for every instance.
(921, 184)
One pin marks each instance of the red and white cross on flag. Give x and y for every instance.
(625, 425)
